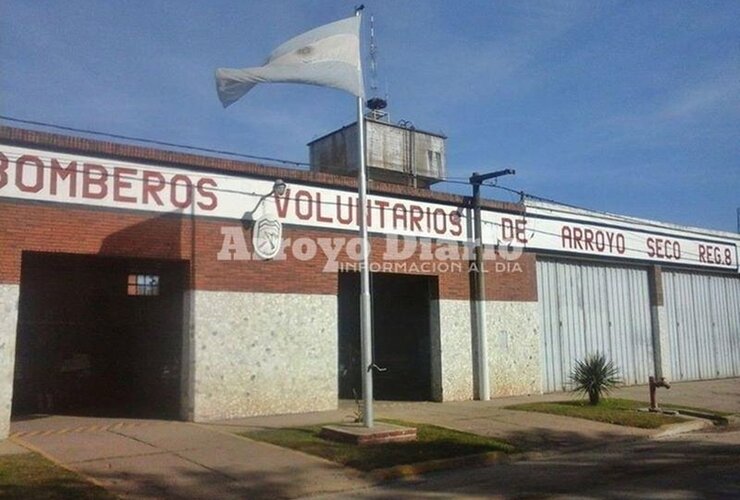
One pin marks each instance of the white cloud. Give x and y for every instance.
(720, 94)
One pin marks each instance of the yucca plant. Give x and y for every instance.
(595, 376)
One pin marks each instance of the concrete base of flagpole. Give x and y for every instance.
(361, 435)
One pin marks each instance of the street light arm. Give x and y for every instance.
(484, 387)
(479, 179)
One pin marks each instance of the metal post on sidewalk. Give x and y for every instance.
(479, 301)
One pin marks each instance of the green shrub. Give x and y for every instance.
(595, 376)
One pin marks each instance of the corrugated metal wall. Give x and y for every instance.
(587, 308)
(703, 325)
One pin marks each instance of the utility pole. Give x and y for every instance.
(484, 386)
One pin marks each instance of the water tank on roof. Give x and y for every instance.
(397, 153)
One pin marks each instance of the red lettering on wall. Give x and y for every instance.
(399, 215)
(456, 223)
(382, 206)
(711, 254)
(620, 244)
(58, 172)
(514, 230)
(120, 183)
(183, 184)
(566, 238)
(440, 221)
(661, 248)
(592, 240)
(281, 204)
(319, 207)
(94, 179)
(153, 183)
(415, 217)
(577, 236)
(599, 241)
(349, 206)
(588, 239)
(37, 169)
(303, 205)
(3, 170)
(204, 192)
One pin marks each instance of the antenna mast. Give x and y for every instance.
(373, 58)
(375, 104)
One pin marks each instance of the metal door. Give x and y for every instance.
(587, 308)
(703, 325)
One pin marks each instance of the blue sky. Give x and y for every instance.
(628, 107)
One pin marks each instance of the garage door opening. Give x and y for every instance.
(99, 336)
(401, 336)
(588, 308)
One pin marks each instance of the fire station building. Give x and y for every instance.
(150, 283)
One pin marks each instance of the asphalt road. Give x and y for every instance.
(690, 466)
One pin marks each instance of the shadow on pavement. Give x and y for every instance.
(669, 469)
(183, 483)
(551, 440)
(644, 469)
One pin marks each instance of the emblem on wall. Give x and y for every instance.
(267, 236)
(267, 231)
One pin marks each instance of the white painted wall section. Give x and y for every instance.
(262, 354)
(456, 350)
(513, 330)
(9, 295)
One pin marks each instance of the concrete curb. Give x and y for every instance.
(411, 471)
(408, 471)
(714, 418)
(415, 470)
(682, 428)
(403, 471)
(552, 453)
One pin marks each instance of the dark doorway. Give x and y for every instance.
(99, 336)
(401, 336)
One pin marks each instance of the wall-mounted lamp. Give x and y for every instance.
(278, 187)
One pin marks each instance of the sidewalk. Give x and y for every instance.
(528, 431)
(720, 395)
(156, 459)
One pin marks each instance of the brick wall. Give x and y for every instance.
(79, 145)
(60, 228)
(40, 227)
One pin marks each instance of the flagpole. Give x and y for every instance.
(366, 321)
(233, 84)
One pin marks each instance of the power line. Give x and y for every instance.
(616, 218)
(691, 257)
(153, 141)
(452, 180)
